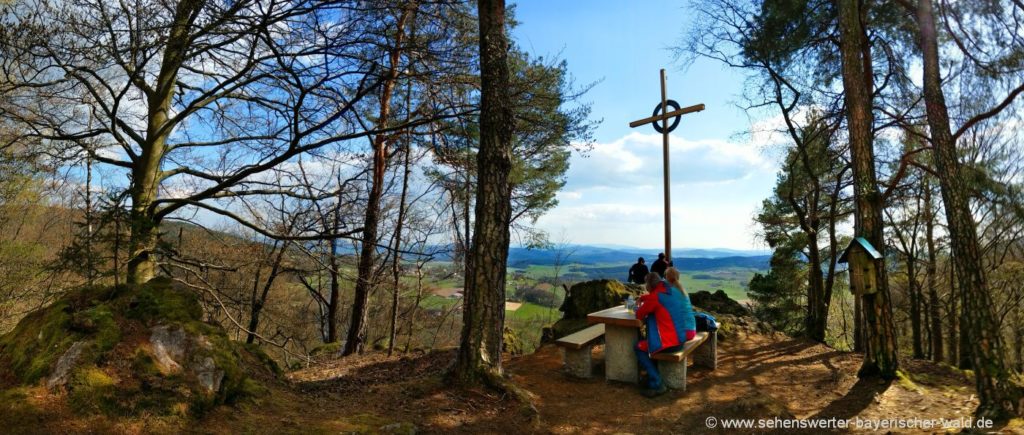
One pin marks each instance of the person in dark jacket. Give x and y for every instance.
(638, 271)
(668, 315)
(660, 265)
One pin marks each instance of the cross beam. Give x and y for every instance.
(690, 109)
(665, 129)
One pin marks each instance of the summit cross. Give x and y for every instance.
(665, 129)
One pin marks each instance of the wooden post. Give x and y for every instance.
(664, 153)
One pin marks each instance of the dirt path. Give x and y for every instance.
(759, 377)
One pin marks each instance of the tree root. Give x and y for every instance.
(495, 381)
(521, 395)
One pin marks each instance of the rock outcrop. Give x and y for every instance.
(584, 298)
(133, 350)
(718, 302)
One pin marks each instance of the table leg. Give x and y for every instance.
(619, 358)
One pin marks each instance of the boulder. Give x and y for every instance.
(585, 298)
(62, 371)
(717, 302)
(132, 350)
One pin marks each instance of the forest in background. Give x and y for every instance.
(901, 120)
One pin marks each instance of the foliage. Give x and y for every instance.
(779, 295)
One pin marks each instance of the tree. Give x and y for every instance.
(999, 397)
(881, 350)
(777, 299)
(198, 99)
(368, 248)
(806, 206)
(479, 356)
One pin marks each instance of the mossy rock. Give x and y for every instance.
(511, 342)
(587, 297)
(565, 327)
(109, 348)
(718, 303)
(327, 349)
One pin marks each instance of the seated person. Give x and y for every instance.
(668, 316)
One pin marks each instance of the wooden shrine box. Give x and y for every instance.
(863, 258)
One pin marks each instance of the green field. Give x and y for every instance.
(531, 311)
(732, 280)
(530, 318)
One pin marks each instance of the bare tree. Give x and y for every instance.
(199, 98)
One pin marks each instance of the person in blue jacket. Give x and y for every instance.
(668, 316)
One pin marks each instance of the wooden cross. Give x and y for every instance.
(665, 129)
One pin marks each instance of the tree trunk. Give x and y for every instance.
(879, 332)
(1018, 337)
(954, 317)
(396, 263)
(858, 325)
(410, 324)
(335, 297)
(817, 306)
(998, 396)
(146, 174)
(931, 275)
(479, 357)
(367, 253)
(259, 302)
(915, 306)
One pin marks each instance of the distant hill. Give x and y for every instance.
(691, 259)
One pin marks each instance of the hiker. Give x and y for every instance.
(668, 316)
(638, 272)
(660, 265)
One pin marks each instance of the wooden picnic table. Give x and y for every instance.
(622, 329)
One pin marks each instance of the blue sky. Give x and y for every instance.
(720, 172)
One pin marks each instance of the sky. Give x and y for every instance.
(720, 166)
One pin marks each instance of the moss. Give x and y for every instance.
(511, 342)
(252, 389)
(587, 297)
(332, 348)
(106, 333)
(16, 410)
(906, 382)
(263, 358)
(31, 349)
(143, 364)
(100, 315)
(92, 390)
(158, 301)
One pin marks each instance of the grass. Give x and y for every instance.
(532, 311)
(732, 280)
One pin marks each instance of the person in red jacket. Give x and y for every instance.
(668, 316)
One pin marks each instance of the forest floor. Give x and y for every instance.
(758, 377)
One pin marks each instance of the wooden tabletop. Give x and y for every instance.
(615, 316)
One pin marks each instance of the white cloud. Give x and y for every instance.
(615, 196)
(635, 160)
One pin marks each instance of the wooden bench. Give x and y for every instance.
(672, 365)
(576, 349)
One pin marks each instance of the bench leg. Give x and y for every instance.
(577, 362)
(706, 355)
(673, 374)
